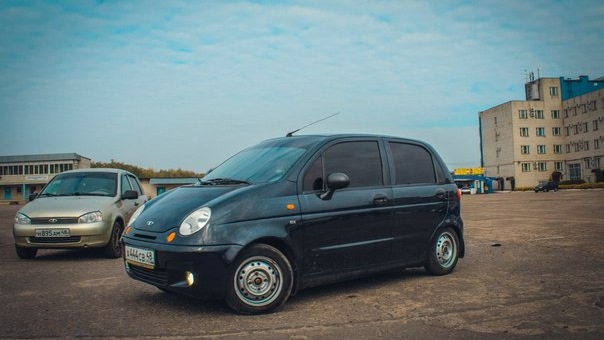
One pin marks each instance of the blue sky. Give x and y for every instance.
(185, 84)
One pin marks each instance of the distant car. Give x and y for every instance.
(546, 186)
(85, 208)
(295, 212)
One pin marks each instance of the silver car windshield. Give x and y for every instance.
(82, 183)
(257, 165)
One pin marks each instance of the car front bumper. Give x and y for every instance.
(81, 235)
(199, 271)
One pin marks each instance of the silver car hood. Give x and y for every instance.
(65, 206)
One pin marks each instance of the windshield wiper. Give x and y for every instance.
(226, 181)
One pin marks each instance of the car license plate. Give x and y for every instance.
(140, 257)
(52, 232)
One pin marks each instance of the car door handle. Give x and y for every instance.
(441, 194)
(380, 199)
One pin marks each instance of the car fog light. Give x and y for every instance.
(190, 278)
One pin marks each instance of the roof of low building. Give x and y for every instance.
(42, 158)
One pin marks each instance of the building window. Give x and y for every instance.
(558, 166)
(526, 167)
(596, 144)
(567, 148)
(556, 131)
(556, 114)
(574, 171)
(557, 148)
(524, 132)
(539, 114)
(585, 127)
(587, 163)
(542, 166)
(567, 131)
(586, 145)
(540, 132)
(595, 125)
(525, 149)
(523, 114)
(541, 149)
(553, 91)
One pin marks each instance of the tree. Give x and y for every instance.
(147, 172)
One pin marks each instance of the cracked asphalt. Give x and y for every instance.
(534, 269)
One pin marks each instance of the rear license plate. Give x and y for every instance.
(140, 257)
(52, 232)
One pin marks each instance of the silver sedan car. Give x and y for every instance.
(85, 208)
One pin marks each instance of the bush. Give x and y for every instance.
(572, 182)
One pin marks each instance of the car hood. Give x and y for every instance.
(65, 206)
(169, 210)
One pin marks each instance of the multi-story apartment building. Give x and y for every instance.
(22, 175)
(557, 131)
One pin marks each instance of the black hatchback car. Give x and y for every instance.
(299, 211)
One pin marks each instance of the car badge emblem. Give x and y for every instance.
(53, 220)
(150, 223)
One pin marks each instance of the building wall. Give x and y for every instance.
(20, 178)
(529, 140)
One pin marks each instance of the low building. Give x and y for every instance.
(22, 175)
(156, 186)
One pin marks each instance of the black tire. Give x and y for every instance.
(260, 282)
(26, 253)
(443, 252)
(113, 249)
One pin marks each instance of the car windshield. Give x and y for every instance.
(256, 165)
(82, 184)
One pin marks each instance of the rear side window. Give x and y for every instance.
(361, 161)
(413, 164)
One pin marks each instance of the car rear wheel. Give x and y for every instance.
(443, 252)
(26, 253)
(261, 280)
(113, 249)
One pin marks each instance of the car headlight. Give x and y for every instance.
(22, 219)
(136, 214)
(95, 216)
(195, 221)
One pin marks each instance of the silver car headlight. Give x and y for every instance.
(91, 217)
(22, 219)
(195, 221)
(136, 214)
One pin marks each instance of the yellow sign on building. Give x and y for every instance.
(469, 171)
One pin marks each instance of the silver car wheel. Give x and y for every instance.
(258, 281)
(446, 249)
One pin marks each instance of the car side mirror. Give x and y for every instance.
(130, 195)
(335, 181)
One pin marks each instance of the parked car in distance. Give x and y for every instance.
(546, 186)
(84, 208)
(295, 212)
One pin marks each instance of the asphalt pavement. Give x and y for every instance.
(534, 269)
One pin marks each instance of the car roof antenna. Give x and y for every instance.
(289, 134)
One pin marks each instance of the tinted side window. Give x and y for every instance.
(361, 161)
(135, 186)
(125, 184)
(413, 164)
(313, 180)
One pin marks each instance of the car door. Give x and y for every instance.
(352, 229)
(420, 201)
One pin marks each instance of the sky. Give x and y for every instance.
(186, 84)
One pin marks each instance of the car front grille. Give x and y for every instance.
(56, 220)
(153, 276)
(70, 239)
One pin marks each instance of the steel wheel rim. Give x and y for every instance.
(446, 249)
(258, 281)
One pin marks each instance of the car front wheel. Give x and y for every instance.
(443, 252)
(113, 249)
(261, 280)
